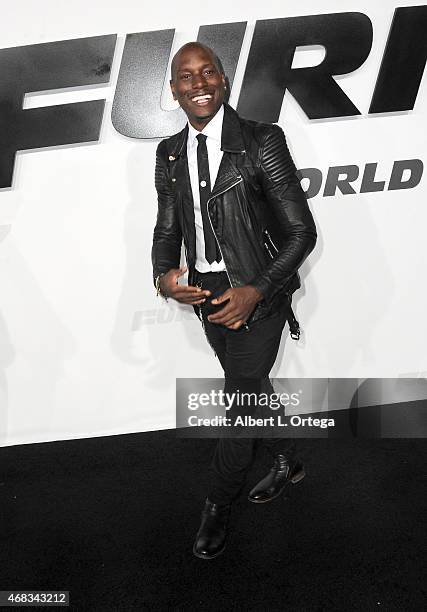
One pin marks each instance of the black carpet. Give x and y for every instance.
(113, 520)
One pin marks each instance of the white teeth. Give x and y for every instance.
(205, 97)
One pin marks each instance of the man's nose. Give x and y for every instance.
(199, 81)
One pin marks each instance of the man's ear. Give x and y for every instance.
(172, 86)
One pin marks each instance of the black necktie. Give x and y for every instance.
(212, 252)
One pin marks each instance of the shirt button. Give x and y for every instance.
(202, 183)
(173, 180)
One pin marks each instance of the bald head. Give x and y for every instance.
(198, 83)
(194, 46)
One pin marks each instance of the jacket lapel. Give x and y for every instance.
(177, 150)
(231, 144)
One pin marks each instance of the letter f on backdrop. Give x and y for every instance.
(47, 66)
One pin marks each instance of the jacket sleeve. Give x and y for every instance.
(167, 236)
(284, 194)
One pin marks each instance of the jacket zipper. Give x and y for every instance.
(245, 325)
(267, 233)
(210, 221)
(268, 250)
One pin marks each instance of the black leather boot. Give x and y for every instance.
(283, 472)
(210, 539)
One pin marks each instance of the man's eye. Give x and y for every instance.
(209, 71)
(185, 76)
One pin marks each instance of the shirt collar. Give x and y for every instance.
(212, 130)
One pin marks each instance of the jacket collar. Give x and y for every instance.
(231, 136)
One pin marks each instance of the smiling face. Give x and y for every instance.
(197, 83)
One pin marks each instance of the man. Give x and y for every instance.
(227, 188)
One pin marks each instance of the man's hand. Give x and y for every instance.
(185, 294)
(241, 304)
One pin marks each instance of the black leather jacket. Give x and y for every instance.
(258, 210)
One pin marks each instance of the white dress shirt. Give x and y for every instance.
(213, 132)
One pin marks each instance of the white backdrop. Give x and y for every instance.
(86, 348)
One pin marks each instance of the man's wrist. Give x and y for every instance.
(158, 287)
(257, 293)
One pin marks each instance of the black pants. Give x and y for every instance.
(246, 356)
